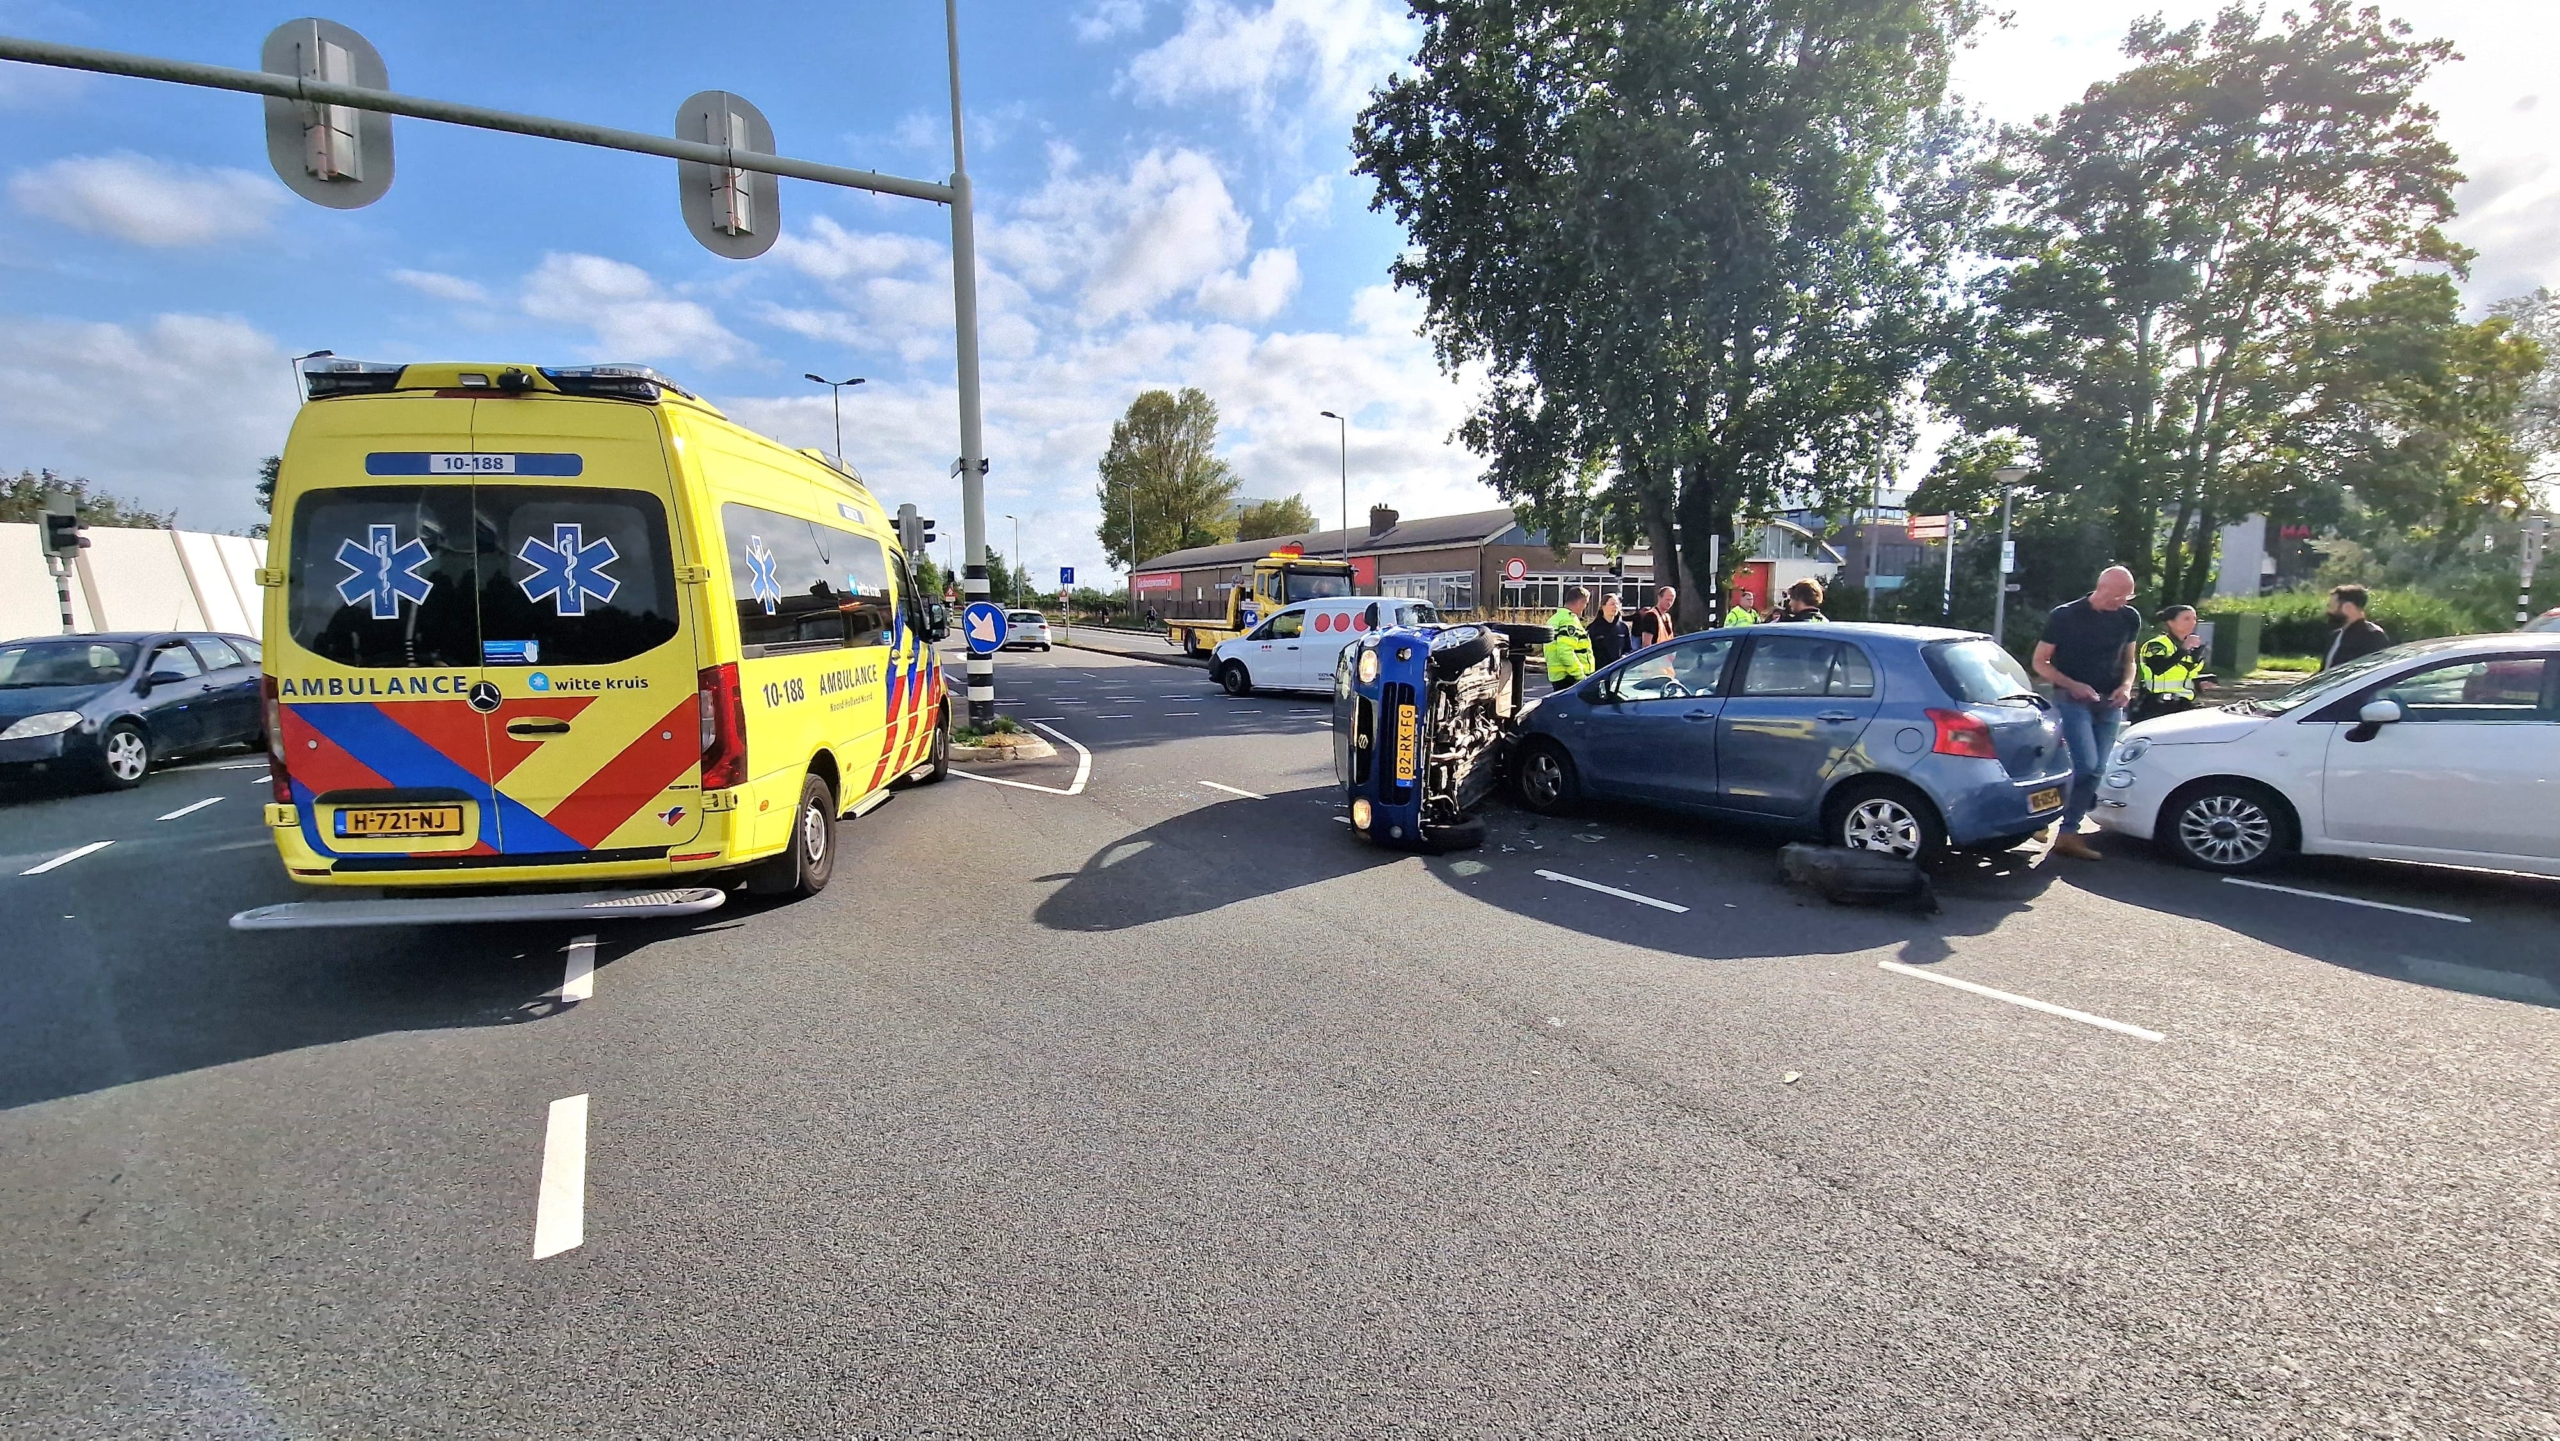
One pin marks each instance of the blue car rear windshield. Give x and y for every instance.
(64, 662)
(1979, 672)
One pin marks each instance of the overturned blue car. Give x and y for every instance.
(1422, 728)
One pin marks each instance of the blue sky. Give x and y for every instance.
(1164, 201)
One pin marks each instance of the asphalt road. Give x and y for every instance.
(1167, 1108)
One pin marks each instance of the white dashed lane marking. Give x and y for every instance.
(578, 978)
(2347, 900)
(191, 810)
(1614, 891)
(560, 1206)
(1236, 791)
(66, 858)
(2030, 1002)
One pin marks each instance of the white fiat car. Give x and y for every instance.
(2444, 751)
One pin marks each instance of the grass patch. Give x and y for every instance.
(2298, 664)
(1003, 725)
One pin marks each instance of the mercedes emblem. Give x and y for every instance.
(484, 696)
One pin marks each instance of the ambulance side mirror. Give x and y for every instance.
(937, 622)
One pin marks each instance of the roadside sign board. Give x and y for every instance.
(736, 213)
(2008, 557)
(1066, 576)
(337, 156)
(1515, 569)
(1926, 527)
(982, 625)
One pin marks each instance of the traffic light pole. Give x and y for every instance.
(62, 589)
(964, 249)
(964, 310)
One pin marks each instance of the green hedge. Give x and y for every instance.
(2297, 621)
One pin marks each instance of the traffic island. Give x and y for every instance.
(1001, 744)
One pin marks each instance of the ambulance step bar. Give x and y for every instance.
(465, 910)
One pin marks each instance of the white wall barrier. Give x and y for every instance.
(133, 580)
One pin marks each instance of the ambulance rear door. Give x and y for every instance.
(596, 742)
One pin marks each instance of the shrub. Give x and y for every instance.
(2297, 621)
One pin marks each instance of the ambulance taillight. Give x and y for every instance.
(279, 784)
(724, 728)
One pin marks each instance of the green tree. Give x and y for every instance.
(22, 499)
(2412, 420)
(1265, 519)
(1697, 244)
(1163, 461)
(2162, 253)
(2536, 425)
(268, 470)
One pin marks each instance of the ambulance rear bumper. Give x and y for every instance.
(626, 905)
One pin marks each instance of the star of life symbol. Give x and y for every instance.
(763, 576)
(384, 571)
(569, 569)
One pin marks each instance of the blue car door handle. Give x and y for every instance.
(1836, 716)
(1700, 715)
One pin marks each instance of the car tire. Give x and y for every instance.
(1236, 680)
(1545, 780)
(1464, 834)
(809, 862)
(2230, 827)
(124, 756)
(1192, 647)
(1886, 816)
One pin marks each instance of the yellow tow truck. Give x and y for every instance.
(1282, 578)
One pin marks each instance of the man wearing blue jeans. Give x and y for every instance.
(2087, 656)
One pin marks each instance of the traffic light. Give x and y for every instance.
(64, 536)
(915, 532)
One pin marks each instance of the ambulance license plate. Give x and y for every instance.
(400, 821)
(2048, 799)
(1404, 743)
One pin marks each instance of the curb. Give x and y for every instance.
(978, 756)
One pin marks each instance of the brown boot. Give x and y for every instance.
(2076, 848)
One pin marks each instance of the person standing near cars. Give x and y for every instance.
(1652, 625)
(1742, 612)
(1611, 637)
(2087, 656)
(2356, 635)
(2169, 665)
(1569, 645)
(1803, 603)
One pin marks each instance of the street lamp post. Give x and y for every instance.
(835, 392)
(2008, 476)
(1342, 433)
(1016, 561)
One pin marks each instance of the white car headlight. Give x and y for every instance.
(1368, 665)
(49, 723)
(2133, 750)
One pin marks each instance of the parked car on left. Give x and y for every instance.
(109, 707)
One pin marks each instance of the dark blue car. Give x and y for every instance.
(105, 707)
(1901, 739)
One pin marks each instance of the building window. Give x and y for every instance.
(1448, 590)
(1546, 592)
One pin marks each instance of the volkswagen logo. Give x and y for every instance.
(484, 696)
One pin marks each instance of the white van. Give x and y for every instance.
(1295, 648)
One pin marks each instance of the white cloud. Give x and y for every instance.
(443, 287)
(1258, 292)
(1124, 245)
(631, 318)
(175, 413)
(1310, 206)
(148, 202)
(1335, 49)
(1109, 19)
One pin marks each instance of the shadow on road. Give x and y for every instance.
(1737, 908)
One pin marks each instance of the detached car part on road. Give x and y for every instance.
(1422, 726)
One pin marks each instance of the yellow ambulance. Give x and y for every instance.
(530, 627)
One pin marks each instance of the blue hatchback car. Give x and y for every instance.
(1893, 738)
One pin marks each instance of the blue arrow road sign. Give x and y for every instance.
(982, 625)
(1066, 576)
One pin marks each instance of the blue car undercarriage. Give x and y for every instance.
(1422, 728)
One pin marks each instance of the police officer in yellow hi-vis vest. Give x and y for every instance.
(1569, 650)
(2168, 665)
(1743, 611)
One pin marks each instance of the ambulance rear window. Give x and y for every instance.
(399, 576)
(802, 585)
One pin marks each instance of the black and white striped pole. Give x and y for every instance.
(2537, 534)
(973, 452)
